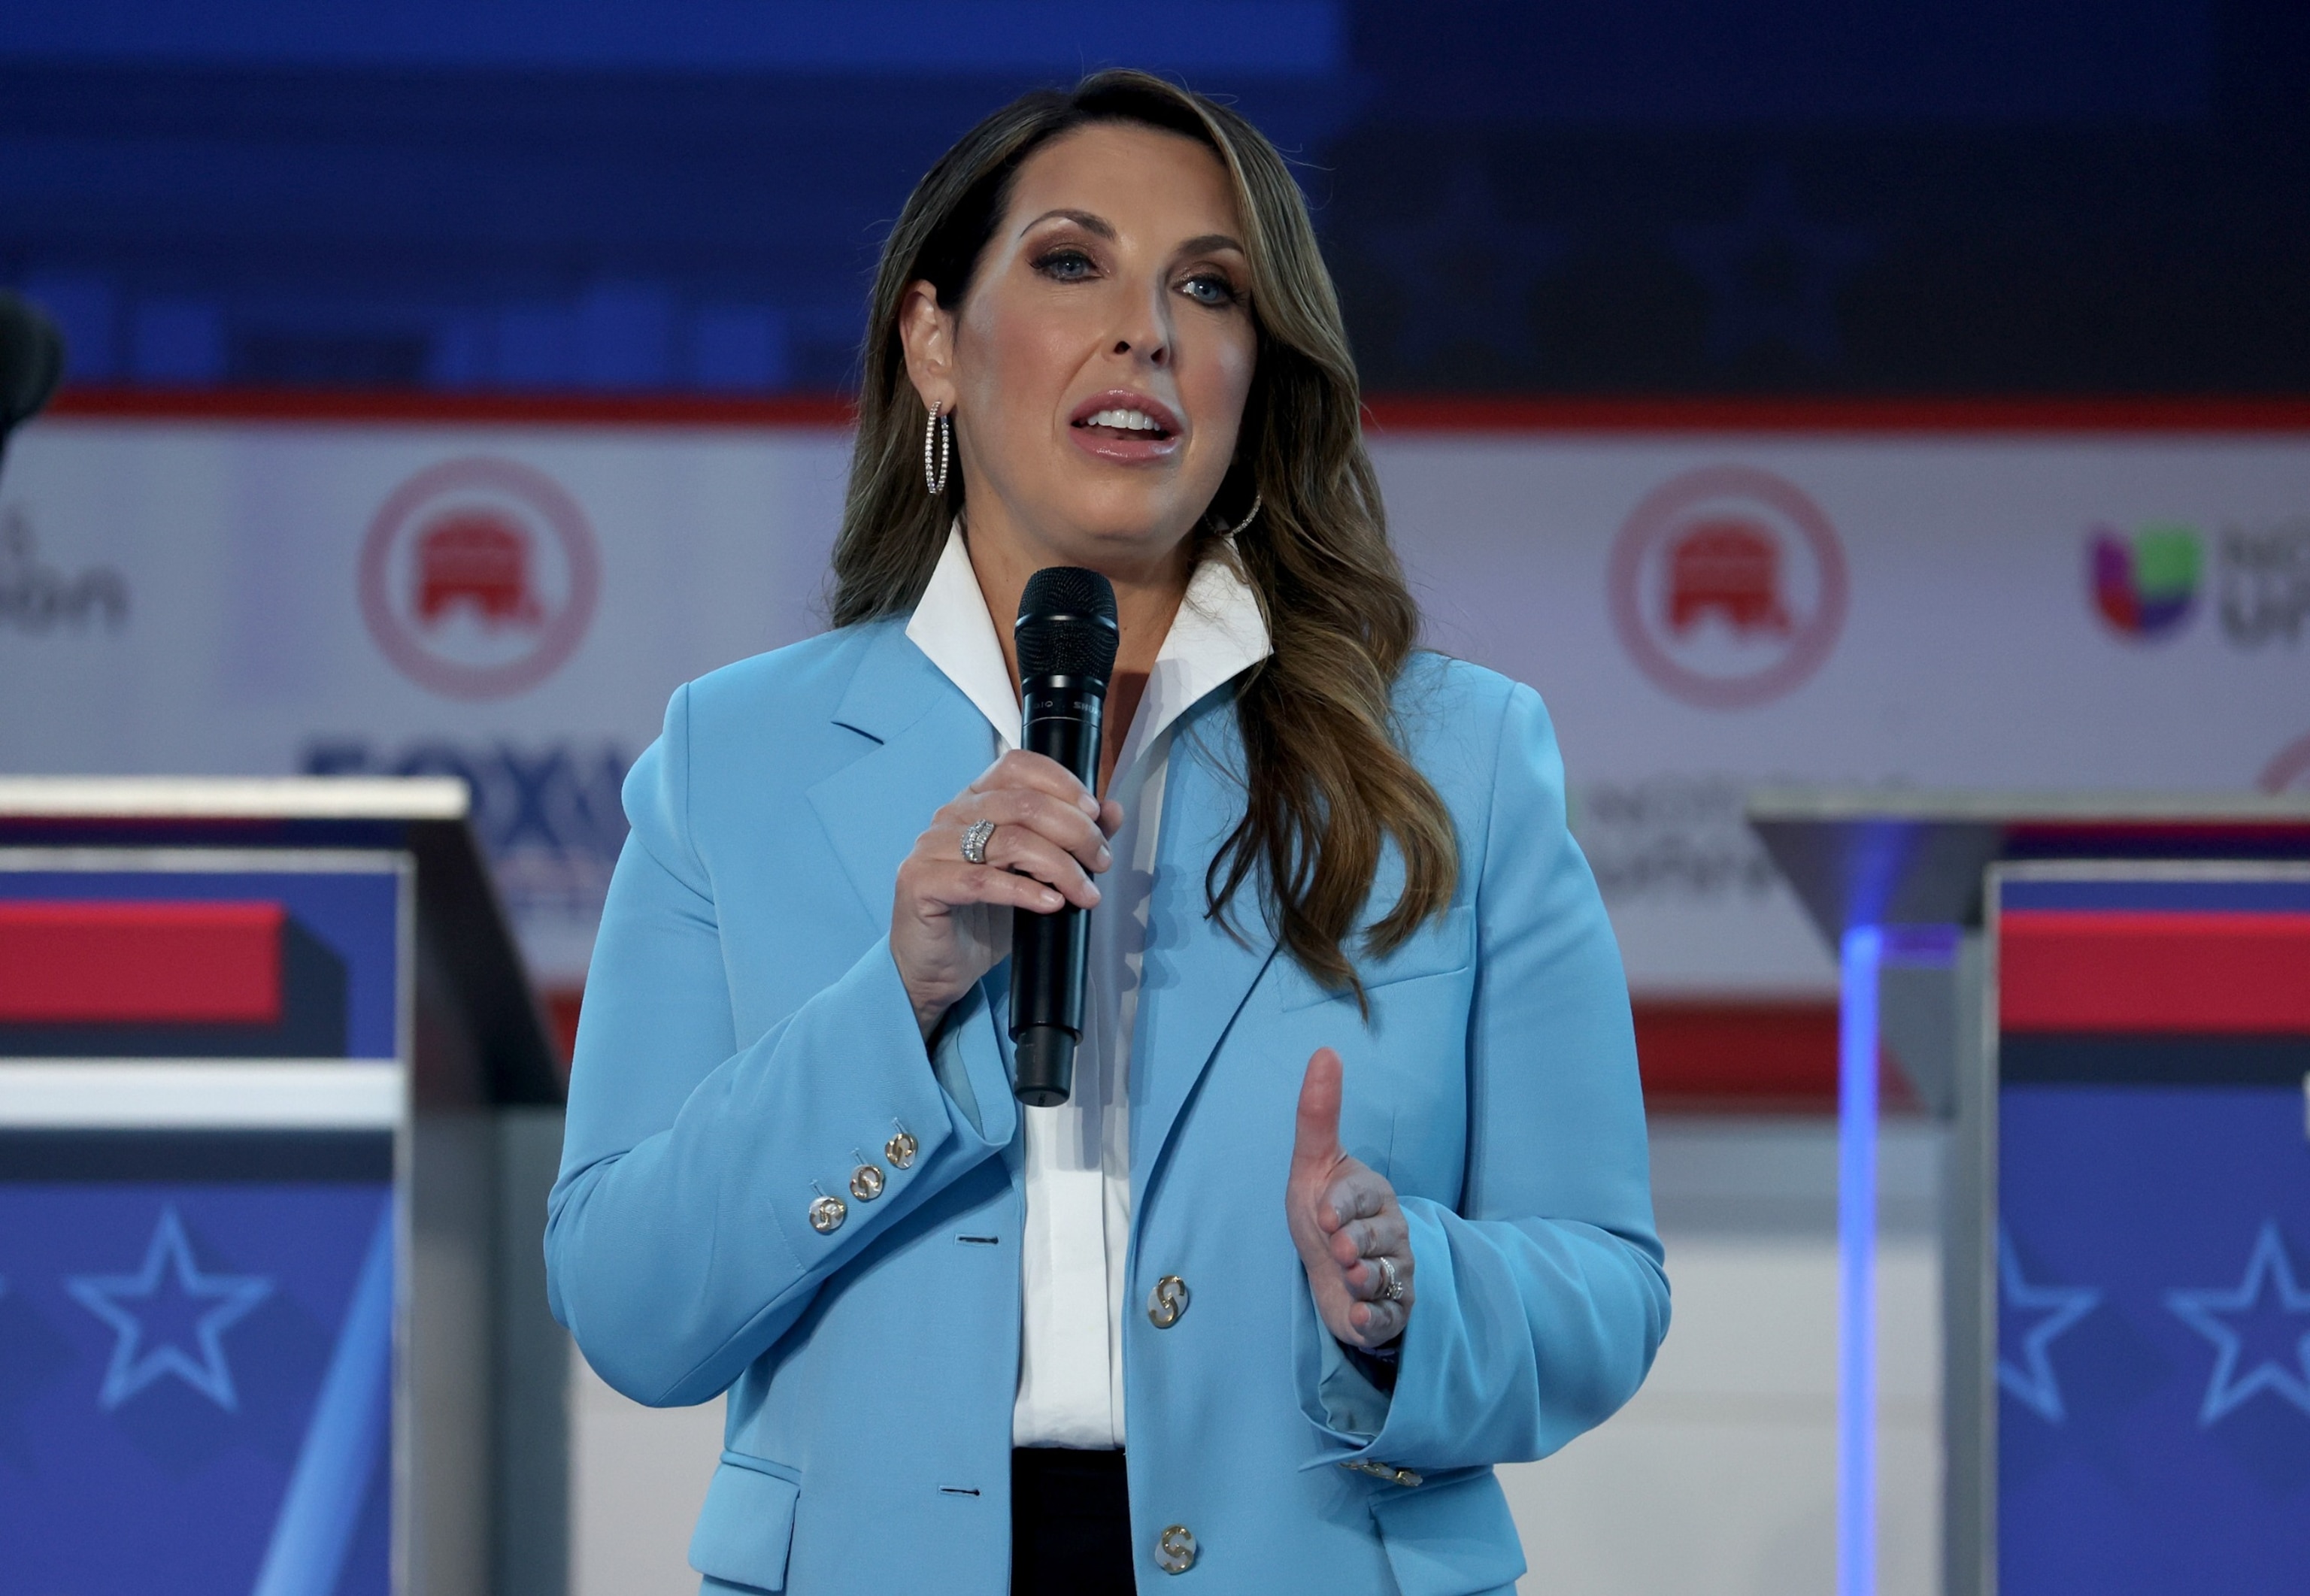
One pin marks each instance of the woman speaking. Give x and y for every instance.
(1348, 1202)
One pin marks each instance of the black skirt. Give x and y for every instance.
(1070, 1523)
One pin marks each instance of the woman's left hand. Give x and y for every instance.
(1344, 1218)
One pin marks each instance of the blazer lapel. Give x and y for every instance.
(932, 740)
(1196, 974)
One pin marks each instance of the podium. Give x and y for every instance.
(277, 1119)
(2107, 998)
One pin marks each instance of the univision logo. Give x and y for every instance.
(2146, 585)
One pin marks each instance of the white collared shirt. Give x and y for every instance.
(1078, 1154)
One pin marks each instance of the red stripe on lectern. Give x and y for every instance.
(2209, 973)
(1705, 1054)
(141, 963)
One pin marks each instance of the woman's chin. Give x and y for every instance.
(1121, 540)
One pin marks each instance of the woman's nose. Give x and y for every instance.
(1146, 335)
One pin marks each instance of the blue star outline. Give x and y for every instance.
(134, 1367)
(2036, 1387)
(2203, 1311)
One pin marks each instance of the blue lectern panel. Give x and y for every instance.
(2153, 1339)
(345, 931)
(195, 1371)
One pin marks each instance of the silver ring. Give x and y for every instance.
(1391, 1284)
(974, 841)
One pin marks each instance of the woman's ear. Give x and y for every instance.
(926, 332)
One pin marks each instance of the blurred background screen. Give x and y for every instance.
(1958, 195)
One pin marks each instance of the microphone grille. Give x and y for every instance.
(1066, 624)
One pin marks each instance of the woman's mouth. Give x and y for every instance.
(1125, 423)
(1125, 427)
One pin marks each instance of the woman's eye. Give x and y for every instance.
(1210, 288)
(1067, 265)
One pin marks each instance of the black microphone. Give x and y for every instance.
(31, 360)
(1067, 639)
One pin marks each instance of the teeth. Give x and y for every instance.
(1129, 421)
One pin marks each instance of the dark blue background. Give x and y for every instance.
(1948, 195)
(2139, 1191)
(169, 1492)
(355, 915)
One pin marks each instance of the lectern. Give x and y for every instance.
(2108, 1000)
(277, 1116)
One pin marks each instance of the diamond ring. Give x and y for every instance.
(1391, 1284)
(974, 841)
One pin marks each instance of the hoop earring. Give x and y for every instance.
(937, 437)
(1249, 516)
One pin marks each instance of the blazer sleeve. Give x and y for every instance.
(1540, 1299)
(678, 1244)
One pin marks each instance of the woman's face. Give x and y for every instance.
(1098, 364)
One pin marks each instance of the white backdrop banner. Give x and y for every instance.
(512, 603)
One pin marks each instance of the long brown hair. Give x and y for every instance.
(1327, 782)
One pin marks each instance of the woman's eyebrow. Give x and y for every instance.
(1085, 220)
(1210, 242)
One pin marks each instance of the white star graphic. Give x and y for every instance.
(2034, 1387)
(132, 1368)
(2202, 1310)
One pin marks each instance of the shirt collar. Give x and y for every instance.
(1217, 634)
(952, 629)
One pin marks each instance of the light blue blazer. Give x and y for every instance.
(746, 1044)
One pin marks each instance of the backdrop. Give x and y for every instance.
(2091, 600)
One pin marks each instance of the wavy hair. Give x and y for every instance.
(1328, 782)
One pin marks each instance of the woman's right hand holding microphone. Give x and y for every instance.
(950, 919)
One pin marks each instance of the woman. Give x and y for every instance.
(1350, 1201)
